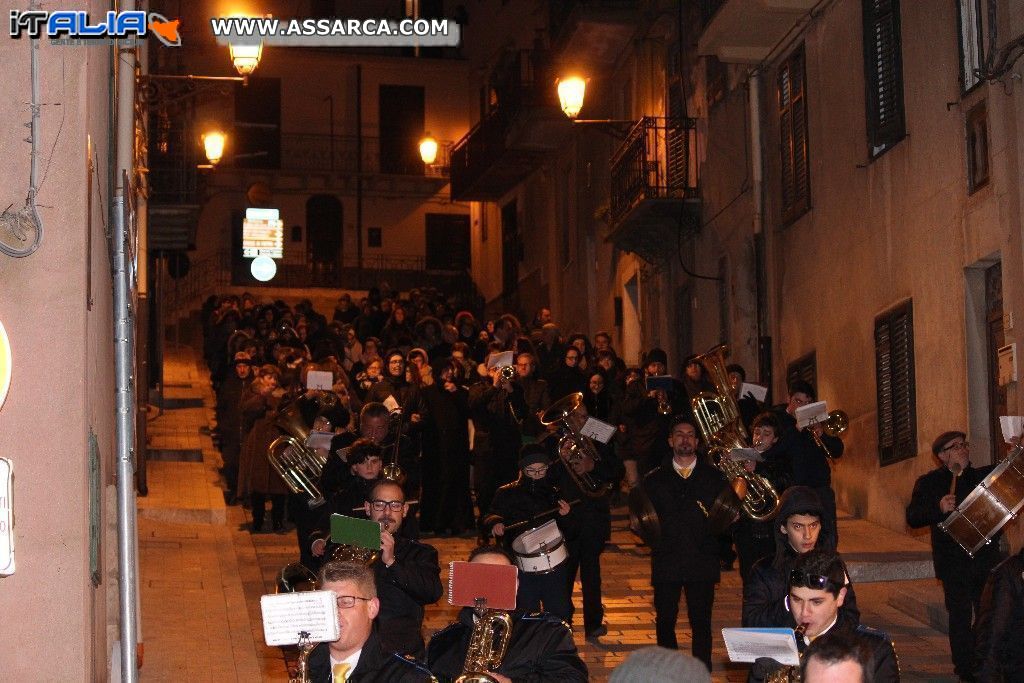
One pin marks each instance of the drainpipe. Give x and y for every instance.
(124, 353)
(757, 220)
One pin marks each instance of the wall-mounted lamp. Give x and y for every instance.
(428, 149)
(570, 95)
(213, 143)
(245, 57)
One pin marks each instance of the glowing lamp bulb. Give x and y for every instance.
(428, 149)
(570, 95)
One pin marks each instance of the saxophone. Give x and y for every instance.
(789, 674)
(305, 646)
(492, 632)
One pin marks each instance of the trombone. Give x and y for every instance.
(834, 424)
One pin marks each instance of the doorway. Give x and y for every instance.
(324, 237)
(986, 400)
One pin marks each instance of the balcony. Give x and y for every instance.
(591, 34)
(746, 31)
(654, 192)
(523, 124)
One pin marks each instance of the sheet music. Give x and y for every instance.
(319, 379)
(745, 454)
(285, 615)
(811, 413)
(546, 534)
(759, 392)
(321, 440)
(745, 645)
(391, 404)
(1011, 426)
(597, 430)
(500, 360)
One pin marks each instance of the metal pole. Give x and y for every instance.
(330, 124)
(124, 342)
(359, 167)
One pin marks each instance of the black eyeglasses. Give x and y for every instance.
(953, 446)
(815, 581)
(380, 505)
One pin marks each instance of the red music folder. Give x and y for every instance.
(495, 583)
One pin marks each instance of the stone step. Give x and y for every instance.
(921, 600)
(905, 565)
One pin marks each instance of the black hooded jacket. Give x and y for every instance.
(765, 590)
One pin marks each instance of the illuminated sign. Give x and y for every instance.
(262, 233)
(6, 518)
(263, 268)
(5, 364)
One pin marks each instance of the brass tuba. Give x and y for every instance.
(570, 414)
(299, 466)
(719, 420)
(488, 643)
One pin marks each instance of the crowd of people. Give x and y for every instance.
(435, 422)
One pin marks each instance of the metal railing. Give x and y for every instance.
(654, 161)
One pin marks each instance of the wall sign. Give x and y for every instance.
(262, 233)
(6, 518)
(5, 364)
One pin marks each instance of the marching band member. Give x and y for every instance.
(936, 494)
(682, 492)
(358, 655)
(525, 503)
(540, 647)
(816, 591)
(1000, 623)
(800, 527)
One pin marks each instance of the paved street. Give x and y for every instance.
(201, 573)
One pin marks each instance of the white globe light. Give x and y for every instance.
(263, 268)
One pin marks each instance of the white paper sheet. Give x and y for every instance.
(1011, 425)
(547, 534)
(759, 392)
(745, 645)
(500, 360)
(321, 440)
(319, 379)
(285, 615)
(597, 430)
(391, 404)
(812, 412)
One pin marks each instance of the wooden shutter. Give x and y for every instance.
(894, 372)
(796, 181)
(883, 75)
(805, 368)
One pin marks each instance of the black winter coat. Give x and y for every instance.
(947, 555)
(810, 466)
(688, 550)
(540, 650)
(412, 581)
(1001, 623)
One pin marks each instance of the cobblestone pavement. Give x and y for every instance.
(202, 571)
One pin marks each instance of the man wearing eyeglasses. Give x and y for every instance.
(408, 574)
(358, 656)
(936, 494)
(817, 591)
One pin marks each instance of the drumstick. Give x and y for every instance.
(955, 468)
(509, 527)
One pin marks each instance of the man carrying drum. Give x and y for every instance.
(936, 495)
(517, 512)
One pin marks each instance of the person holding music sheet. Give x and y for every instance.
(682, 491)
(1001, 623)
(540, 648)
(756, 539)
(800, 526)
(810, 464)
(816, 591)
(594, 522)
(936, 494)
(359, 656)
(526, 503)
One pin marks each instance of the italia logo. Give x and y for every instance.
(76, 24)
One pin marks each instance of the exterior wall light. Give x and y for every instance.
(570, 95)
(428, 149)
(213, 143)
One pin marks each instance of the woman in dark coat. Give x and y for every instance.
(446, 503)
(566, 378)
(257, 479)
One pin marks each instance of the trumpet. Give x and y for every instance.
(835, 423)
(508, 373)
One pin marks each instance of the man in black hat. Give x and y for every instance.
(522, 505)
(936, 494)
(683, 493)
(801, 526)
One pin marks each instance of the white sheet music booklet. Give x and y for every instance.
(597, 430)
(285, 615)
(745, 645)
(810, 414)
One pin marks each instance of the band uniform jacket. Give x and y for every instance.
(376, 665)
(688, 551)
(948, 556)
(540, 650)
(523, 500)
(412, 581)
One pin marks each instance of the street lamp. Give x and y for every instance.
(570, 95)
(428, 149)
(245, 56)
(213, 143)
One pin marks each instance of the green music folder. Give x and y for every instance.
(364, 533)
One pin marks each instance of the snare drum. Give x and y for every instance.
(540, 550)
(992, 503)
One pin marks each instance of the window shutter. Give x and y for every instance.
(894, 370)
(883, 75)
(796, 184)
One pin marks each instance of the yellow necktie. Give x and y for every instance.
(340, 672)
